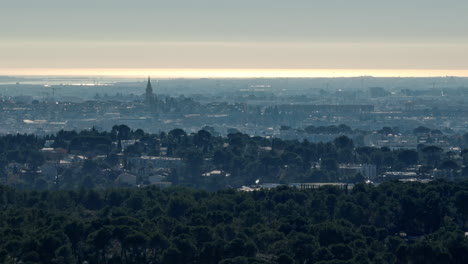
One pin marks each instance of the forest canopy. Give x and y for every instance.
(394, 222)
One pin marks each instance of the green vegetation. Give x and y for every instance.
(392, 223)
(95, 159)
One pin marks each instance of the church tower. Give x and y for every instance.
(149, 92)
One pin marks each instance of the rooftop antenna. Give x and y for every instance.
(53, 91)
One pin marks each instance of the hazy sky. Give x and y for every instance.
(300, 34)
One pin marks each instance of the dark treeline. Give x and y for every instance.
(241, 156)
(392, 223)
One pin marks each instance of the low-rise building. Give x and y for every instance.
(156, 162)
(126, 178)
(367, 170)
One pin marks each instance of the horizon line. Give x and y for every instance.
(230, 72)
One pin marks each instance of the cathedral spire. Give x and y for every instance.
(149, 91)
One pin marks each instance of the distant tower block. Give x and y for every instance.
(409, 106)
(149, 92)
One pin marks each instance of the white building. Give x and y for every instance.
(367, 170)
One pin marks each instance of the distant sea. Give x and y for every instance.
(103, 77)
(105, 74)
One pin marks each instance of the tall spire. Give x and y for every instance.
(149, 91)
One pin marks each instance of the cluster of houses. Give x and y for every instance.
(61, 166)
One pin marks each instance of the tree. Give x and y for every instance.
(177, 134)
(75, 232)
(341, 251)
(421, 130)
(432, 154)
(329, 164)
(123, 132)
(461, 203)
(386, 131)
(194, 159)
(343, 142)
(90, 167)
(203, 140)
(112, 159)
(449, 165)
(87, 182)
(408, 157)
(93, 200)
(178, 207)
(284, 259)
(100, 239)
(137, 241)
(172, 255)
(465, 139)
(138, 134)
(158, 243)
